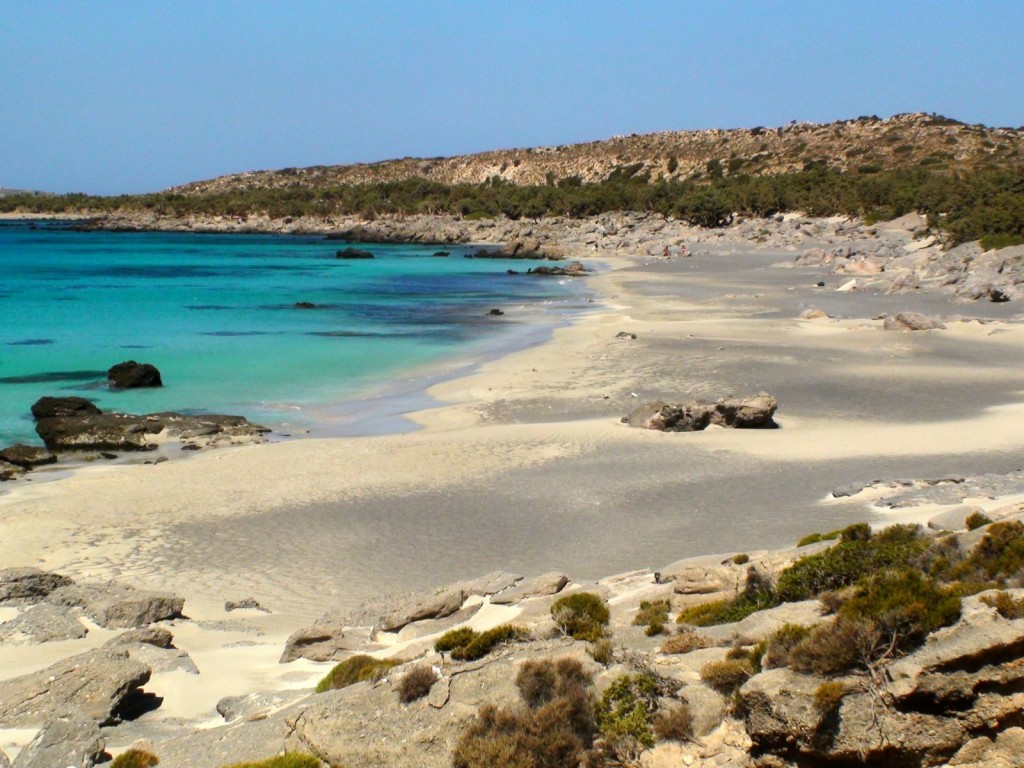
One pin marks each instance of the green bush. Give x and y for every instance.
(455, 638)
(995, 242)
(485, 642)
(291, 760)
(135, 758)
(653, 615)
(827, 698)
(581, 615)
(416, 683)
(757, 595)
(999, 555)
(602, 651)
(836, 647)
(356, 669)
(848, 561)
(976, 520)
(626, 708)
(814, 538)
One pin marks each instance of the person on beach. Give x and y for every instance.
(682, 249)
(665, 253)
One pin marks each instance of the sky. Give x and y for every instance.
(110, 97)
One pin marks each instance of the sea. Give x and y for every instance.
(225, 319)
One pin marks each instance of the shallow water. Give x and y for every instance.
(217, 315)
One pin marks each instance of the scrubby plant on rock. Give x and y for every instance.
(781, 642)
(976, 520)
(581, 616)
(728, 675)
(684, 642)
(356, 669)
(467, 644)
(758, 594)
(1005, 604)
(625, 711)
(135, 758)
(291, 760)
(675, 724)
(602, 651)
(653, 614)
(416, 683)
(555, 728)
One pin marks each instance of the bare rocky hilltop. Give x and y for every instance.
(903, 141)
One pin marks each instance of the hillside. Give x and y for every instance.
(865, 145)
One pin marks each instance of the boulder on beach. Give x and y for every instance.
(42, 623)
(911, 321)
(119, 606)
(10, 471)
(27, 456)
(60, 407)
(28, 585)
(756, 412)
(133, 375)
(572, 269)
(69, 738)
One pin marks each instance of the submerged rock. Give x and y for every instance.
(353, 253)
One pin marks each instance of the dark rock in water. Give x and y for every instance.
(133, 375)
(625, 335)
(29, 585)
(495, 313)
(54, 407)
(755, 412)
(511, 271)
(27, 456)
(353, 253)
(440, 254)
(304, 305)
(96, 682)
(98, 432)
(190, 447)
(69, 738)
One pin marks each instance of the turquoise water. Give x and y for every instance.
(216, 314)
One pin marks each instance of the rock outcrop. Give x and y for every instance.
(118, 606)
(97, 683)
(69, 739)
(911, 321)
(29, 585)
(75, 424)
(755, 412)
(27, 456)
(41, 623)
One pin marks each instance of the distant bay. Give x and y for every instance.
(271, 327)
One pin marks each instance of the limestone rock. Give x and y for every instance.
(755, 412)
(247, 603)
(255, 705)
(1006, 750)
(68, 740)
(27, 456)
(118, 606)
(539, 586)
(41, 623)
(133, 375)
(813, 313)
(155, 636)
(911, 321)
(431, 606)
(330, 638)
(4, 762)
(59, 407)
(29, 585)
(96, 682)
(10, 471)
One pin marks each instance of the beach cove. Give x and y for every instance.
(525, 466)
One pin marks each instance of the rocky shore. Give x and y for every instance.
(894, 399)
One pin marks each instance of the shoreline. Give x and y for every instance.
(525, 466)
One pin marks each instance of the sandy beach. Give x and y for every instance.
(525, 466)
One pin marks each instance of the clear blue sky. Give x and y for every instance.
(112, 97)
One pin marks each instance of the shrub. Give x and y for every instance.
(686, 641)
(291, 760)
(994, 242)
(626, 708)
(851, 559)
(1005, 605)
(416, 683)
(675, 724)
(455, 638)
(582, 616)
(905, 605)
(782, 642)
(485, 642)
(827, 698)
(814, 538)
(356, 669)
(999, 555)
(741, 559)
(536, 682)
(602, 651)
(135, 758)
(556, 731)
(728, 611)
(727, 676)
(836, 647)
(977, 520)
(653, 615)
